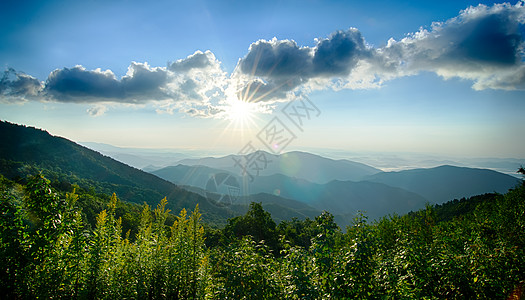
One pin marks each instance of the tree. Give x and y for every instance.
(256, 223)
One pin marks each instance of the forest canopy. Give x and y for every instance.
(53, 247)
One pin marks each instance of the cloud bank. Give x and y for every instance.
(482, 44)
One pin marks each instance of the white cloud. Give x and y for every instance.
(482, 44)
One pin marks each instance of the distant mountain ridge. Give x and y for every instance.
(337, 197)
(445, 183)
(378, 195)
(26, 149)
(139, 158)
(196, 176)
(311, 167)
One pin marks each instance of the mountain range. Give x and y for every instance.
(293, 184)
(445, 183)
(378, 195)
(145, 159)
(311, 167)
(27, 150)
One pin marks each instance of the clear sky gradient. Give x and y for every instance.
(440, 77)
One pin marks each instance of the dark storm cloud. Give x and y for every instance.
(14, 85)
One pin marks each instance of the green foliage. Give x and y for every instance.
(245, 270)
(12, 235)
(354, 266)
(49, 249)
(26, 150)
(46, 251)
(256, 223)
(298, 232)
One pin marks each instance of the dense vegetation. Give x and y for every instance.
(53, 245)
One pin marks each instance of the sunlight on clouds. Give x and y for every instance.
(483, 44)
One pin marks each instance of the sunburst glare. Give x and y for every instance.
(240, 111)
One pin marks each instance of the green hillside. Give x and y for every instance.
(26, 150)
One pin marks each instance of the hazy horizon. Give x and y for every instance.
(385, 161)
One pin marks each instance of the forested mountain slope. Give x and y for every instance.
(26, 150)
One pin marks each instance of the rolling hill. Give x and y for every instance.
(337, 197)
(25, 150)
(445, 183)
(311, 167)
(341, 197)
(293, 184)
(380, 194)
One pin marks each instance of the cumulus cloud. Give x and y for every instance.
(275, 67)
(195, 85)
(141, 83)
(198, 60)
(483, 44)
(16, 86)
(339, 54)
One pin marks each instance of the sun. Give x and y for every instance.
(241, 112)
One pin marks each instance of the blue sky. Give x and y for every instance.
(441, 77)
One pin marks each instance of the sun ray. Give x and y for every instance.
(267, 93)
